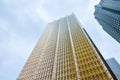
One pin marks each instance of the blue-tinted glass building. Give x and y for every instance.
(107, 13)
(115, 67)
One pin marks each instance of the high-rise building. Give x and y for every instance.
(107, 13)
(65, 52)
(115, 67)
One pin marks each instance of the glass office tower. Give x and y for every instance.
(65, 52)
(107, 13)
(115, 67)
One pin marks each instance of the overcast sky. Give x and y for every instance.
(23, 21)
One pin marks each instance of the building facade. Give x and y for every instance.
(65, 52)
(115, 67)
(107, 13)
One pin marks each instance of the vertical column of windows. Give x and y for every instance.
(90, 66)
(73, 50)
(65, 60)
(32, 62)
(55, 56)
(45, 66)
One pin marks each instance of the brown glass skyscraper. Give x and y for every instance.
(65, 52)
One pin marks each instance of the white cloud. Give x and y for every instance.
(3, 24)
(14, 49)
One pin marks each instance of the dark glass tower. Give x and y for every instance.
(107, 13)
(115, 67)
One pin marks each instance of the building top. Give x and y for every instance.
(112, 3)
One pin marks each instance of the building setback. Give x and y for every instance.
(65, 52)
(107, 13)
(115, 67)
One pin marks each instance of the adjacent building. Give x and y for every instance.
(107, 13)
(65, 52)
(115, 67)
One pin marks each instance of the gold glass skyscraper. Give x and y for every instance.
(65, 52)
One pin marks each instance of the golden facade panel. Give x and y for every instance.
(65, 52)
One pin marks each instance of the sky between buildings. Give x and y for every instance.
(23, 21)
